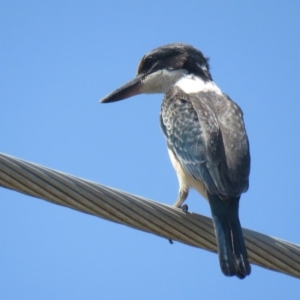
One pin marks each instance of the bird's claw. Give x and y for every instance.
(185, 208)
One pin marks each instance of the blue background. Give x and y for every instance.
(58, 58)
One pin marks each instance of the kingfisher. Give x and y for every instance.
(206, 139)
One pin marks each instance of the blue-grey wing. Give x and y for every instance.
(194, 133)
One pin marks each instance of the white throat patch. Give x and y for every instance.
(160, 81)
(194, 84)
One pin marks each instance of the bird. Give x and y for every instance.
(206, 140)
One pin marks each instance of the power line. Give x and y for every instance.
(140, 213)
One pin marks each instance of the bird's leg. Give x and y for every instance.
(182, 195)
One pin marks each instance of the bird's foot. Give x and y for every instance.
(184, 208)
(181, 198)
(171, 241)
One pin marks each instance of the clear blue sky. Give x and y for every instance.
(58, 58)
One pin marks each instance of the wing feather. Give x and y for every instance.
(195, 127)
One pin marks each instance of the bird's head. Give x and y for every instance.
(161, 68)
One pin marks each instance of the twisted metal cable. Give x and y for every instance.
(140, 213)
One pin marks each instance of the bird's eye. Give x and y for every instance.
(149, 62)
(146, 64)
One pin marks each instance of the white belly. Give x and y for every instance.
(185, 180)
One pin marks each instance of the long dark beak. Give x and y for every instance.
(129, 89)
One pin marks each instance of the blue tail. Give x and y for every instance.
(231, 246)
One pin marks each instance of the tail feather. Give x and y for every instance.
(231, 246)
